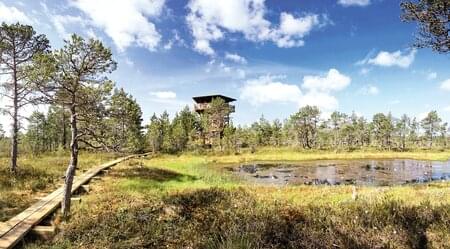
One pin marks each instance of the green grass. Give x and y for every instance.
(190, 201)
(36, 177)
(292, 154)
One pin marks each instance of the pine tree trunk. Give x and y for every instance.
(15, 128)
(64, 135)
(14, 142)
(70, 172)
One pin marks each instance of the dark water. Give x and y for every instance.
(359, 172)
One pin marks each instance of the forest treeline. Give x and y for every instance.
(304, 129)
(119, 128)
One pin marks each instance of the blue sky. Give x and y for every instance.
(273, 56)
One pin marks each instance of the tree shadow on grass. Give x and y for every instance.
(153, 174)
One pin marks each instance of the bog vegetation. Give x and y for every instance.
(188, 201)
(181, 200)
(86, 111)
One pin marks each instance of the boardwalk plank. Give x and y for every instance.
(15, 229)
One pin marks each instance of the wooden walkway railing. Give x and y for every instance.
(15, 229)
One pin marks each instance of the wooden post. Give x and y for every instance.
(85, 188)
(44, 232)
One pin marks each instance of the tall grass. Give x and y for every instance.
(189, 201)
(36, 176)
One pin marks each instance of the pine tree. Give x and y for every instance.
(124, 123)
(74, 77)
(431, 125)
(19, 44)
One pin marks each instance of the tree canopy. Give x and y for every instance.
(433, 19)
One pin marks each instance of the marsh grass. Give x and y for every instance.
(190, 201)
(293, 154)
(37, 176)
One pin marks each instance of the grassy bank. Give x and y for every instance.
(189, 201)
(291, 154)
(36, 177)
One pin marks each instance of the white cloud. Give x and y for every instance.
(175, 40)
(445, 85)
(332, 81)
(292, 29)
(224, 67)
(347, 3)
(61, 21)
(447, 108)
(431, 75)
(235, 58)
(167, 101)
(209, 21)
(126, 22)
(369, 90)
(164, 95)
(10, 14)
(323, 100)
(267, 89)
(388, 59)
(289, 25)
(316, 90)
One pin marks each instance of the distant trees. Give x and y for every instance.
(307, 130)
(433, 18)
(38, 133)
(431, 125)
(383, 128)
(124, 123)
(305, 123)
(164, 135)
(402, 128)
(19, 44)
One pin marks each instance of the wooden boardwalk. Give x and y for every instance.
(15, 229)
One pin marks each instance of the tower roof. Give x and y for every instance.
(209, 98)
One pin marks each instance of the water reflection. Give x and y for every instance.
(359, 172)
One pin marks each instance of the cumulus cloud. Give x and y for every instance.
(125, 22)
(390, 59)
(369, 90)
(316, 90)
(61, 21)
(235, 58)
(167, 101)
(175, 40)
(209, 21)
(10, 14)
(323, 100)
(347, 3)
(267, 89)
(445, 85)
(292, 29)
(332, 81)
